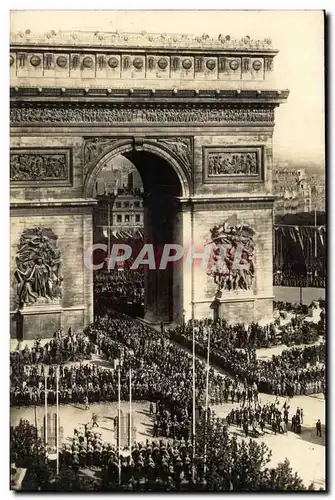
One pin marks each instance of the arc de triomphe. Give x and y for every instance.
(195, 116)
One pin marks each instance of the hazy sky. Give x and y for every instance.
(299, 66)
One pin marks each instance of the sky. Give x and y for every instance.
(299, 66)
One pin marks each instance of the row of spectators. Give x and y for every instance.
(314, 278)
(122, 290)
(296, 371)
(61, 349)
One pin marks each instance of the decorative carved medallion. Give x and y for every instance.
(40, 165)
(61, 61)
(234, 65)
(232, 263)
(162, 63)
(38, 266)
(138, 63)
(187, 64)
(113, 62)
(88, 62)
(35, 61)
(78, 114)
(257, 65)
(224, 164)
(210, 64)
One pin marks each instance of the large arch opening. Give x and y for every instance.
(138, 196)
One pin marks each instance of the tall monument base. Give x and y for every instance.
(244, 310)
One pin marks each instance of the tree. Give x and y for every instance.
(282, 478)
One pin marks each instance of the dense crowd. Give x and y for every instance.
(160, 370)
(162, 374)
(122, 290)
(62, 348)
(296, 371)
(313, 277)
(237, 336)
(159, 465)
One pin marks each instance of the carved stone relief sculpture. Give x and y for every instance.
(43, 166)
(232, 259)
(38, 266)
(232, 163)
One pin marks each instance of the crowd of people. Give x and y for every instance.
(162, 374)
(215, 461)
(313, 277)
(296, 371)
(122, 290)
(236, 336)
(160, 370)
(61, 349)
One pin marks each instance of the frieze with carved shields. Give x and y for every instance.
(38, 267)
(232, 257)
(78, 114)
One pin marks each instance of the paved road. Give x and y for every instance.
(292, 294)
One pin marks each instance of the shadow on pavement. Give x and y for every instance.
(309, 434)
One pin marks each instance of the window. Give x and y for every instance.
(126, 204)
(118, 204)
(127, 218)
(119, 218)
(137, 204)
(137, 218)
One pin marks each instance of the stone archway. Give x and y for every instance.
(158, 147)
(203, 113)
(165, 181)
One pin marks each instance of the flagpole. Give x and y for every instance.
(130, 410)
(46, 407)
(119, 422)
(57, 414)
(193, 402)
(315, 237)
(207, 395)
(108, 230)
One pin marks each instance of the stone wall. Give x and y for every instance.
(73, 227)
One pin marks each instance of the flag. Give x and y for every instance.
(291, 233)
(321, 235)
(299, 236)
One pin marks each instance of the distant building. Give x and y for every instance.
(120, 202)
(123, 211)
(297, 191)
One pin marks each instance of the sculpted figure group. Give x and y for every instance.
(38, 266)
(232, 264)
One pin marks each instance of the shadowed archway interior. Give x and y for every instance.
(161, 192)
